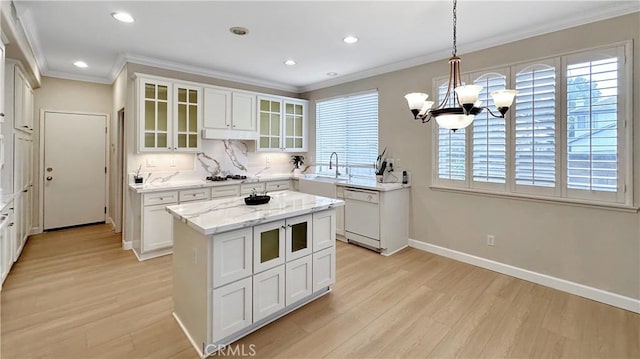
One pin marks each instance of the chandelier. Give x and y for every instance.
(460, 111)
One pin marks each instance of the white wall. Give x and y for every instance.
(595, 247)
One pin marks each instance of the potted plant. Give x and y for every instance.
(136, 177)
(381, 166)
(296, 161)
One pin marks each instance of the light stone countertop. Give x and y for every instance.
(228, 214)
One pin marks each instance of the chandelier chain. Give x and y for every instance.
(455, 19)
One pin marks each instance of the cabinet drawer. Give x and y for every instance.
(277, 186)
(225, 191)
(248, 188)
(160, 198)
(195, 194)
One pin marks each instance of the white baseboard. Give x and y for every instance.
(127, 245)
(35, 230)
(394, 252)
(578, 289)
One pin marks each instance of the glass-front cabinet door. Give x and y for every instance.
(295, 126)
(268, 245)
(269, 124)
(187, 118)
(298, 237)
(155, 107)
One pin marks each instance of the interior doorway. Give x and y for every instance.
(120, 172)
(74, 169)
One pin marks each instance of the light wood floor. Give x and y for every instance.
(76, 294)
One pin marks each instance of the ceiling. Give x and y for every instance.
(194, 36)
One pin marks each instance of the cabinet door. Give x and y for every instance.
(299, 277)
(232, 308)
(157, 228)
(186, 119)
(27, 107)
(18, 100)
(232, 256)
(225, 191)
(244, 111)
(18, 234)
(18, 161)
(268, 293)
(269, 124)
(217, 109)
(324, 268)
(298, 237)
(268, 246)
(154, 115)
(324, 229)
(295, 126)
(6, 259)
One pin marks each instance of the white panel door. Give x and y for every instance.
(268, 293)
(324, 268)
(299, 278)
(74, 169)
(324, 229)
(232, 308)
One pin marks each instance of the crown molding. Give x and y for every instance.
(76, 77)
(628, 7)
(25, 21)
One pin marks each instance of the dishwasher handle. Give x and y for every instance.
(362, 195)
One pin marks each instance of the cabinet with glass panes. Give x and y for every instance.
(169, 116)
(282, 124)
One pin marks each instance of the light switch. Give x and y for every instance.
(151, 162)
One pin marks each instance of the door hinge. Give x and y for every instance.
(105, 130)
(625, 188)
(105, 210)
(105, 169)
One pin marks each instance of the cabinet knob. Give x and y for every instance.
(11, 224)
(24, 190)
(161, 198)
(168, 148)
(175, 148)
(25, 126)
(234, 126)
(1, 114)
(49, 178)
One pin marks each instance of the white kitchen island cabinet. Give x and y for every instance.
(237, 268)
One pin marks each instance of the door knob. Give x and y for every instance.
(49, 178)
(49, 169)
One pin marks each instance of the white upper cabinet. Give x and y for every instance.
(19, 98)
(229, 114)
(169, 116)
(282, 124)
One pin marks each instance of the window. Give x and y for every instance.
(348, 126)
(566, 136)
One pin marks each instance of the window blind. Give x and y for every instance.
(535, 126)
(348, 126)
(592, 125)
(451, 147)
(489, 150)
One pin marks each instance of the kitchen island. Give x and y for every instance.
(237, 268)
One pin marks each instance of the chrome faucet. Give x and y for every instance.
(334, 153)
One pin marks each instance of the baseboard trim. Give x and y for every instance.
(112, 222)
(394, 252)
(578, 289)
(186, 332)
(35, 230)
(127, 245)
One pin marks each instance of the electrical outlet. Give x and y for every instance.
(267, 160)
(491, 239)
(397, 163)
(151, 162)
(172, 162)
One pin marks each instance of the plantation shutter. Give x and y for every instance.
(451, 146)
(535, 129)
(592, 124)
(349, 126)
(489, 149)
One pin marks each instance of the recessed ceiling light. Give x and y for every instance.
(350, 39)
(239, 30)
(290, 62)
(81, 64)
(332, 74)
(123, 17)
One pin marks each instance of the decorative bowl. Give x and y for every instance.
(258, 199)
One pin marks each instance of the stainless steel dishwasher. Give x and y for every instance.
(362, 217)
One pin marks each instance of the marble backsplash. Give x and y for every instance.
(218, 158)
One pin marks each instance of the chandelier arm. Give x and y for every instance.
(491, 112)
(455, 20)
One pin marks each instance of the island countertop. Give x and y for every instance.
(227, 214)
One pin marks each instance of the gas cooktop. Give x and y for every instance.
(224, 178)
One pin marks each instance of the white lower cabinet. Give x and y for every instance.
(299, 277)
(268, 292)
(324, 268)
(232, 256)
(7, 234)
(232, 310)
(324, 230)
(157, 225)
